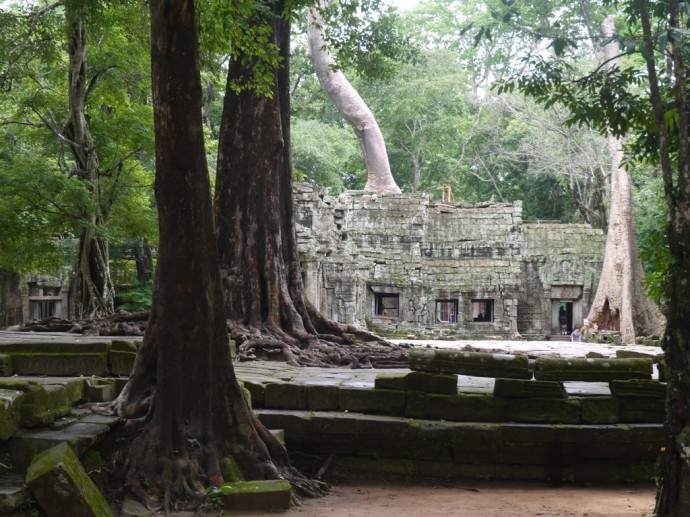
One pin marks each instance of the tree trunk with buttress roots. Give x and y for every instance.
(183, 396)
(264, 294)
(620, 302)
(92, 291)
(352, 107)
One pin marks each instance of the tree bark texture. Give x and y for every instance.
(262, 277)
(620, 302)
(673, 495)
(352, 107)
(92, 291)
(183, 388)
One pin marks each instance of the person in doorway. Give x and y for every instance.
(563, 321)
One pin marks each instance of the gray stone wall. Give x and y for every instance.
(405, 263)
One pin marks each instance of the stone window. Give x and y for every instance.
(387, 304)
(482, 310)
(447, 311)
(40, 309)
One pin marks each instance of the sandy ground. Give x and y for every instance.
(474, 499)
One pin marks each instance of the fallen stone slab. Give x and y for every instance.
(27, 443)
(521, 388)
(62, 487)
(479, 364)
(578, 369)
(256, 495)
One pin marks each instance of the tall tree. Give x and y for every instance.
(264, 293)
(351, 106)
(620, 302)
(92, 291)
(188, 427)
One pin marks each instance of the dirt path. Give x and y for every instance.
(476, 499)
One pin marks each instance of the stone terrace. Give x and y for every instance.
(394, 421)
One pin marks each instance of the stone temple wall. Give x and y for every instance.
(405, 263)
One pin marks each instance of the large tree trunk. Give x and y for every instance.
(264, 293)
(352, 107)
(183, 387)
(92, 292)
(621, 302)
(673, 495)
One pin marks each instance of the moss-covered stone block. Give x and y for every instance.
(331, 432)
(65, 364)
(432, 382)
(415, 404)
(545, 411)
(62, 487)
(6, 365)
(41, 404)
(230, 470)
(579, 369)
(430, 440)
(121, 362)
(100, 390)
(638, 388)
(10, 412)
(256, 495)
(323, 398)
(381, 436)
(257, 391)
(521, 388)
(641, 410)
(599, 410)
(387, 402)
(477, 364)
(477, 443)
(390, 381)
(285, 396)
(466, 408)
(56, 347)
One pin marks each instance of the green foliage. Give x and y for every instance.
(136, 299)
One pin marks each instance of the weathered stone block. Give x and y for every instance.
(6, 365)
(40, 404)
(545, 411)
(477, 443)
(100, 390)
(577, 369)
(55, 347)
(430, 440)
(323, 398)
(285, 396)
(61, 364)
(388, 402)
(257, 391)
(121, 362)
(133, 508)
(599, 410)
(638, 388)
(381, 436)
(10, 412)
(415, 404)
(466, 408)
(641, 410)
(331, 432)
(521, 388)
(390, 381)
(61, 486)
(477, 364)
(230, 470)
(256, 495)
